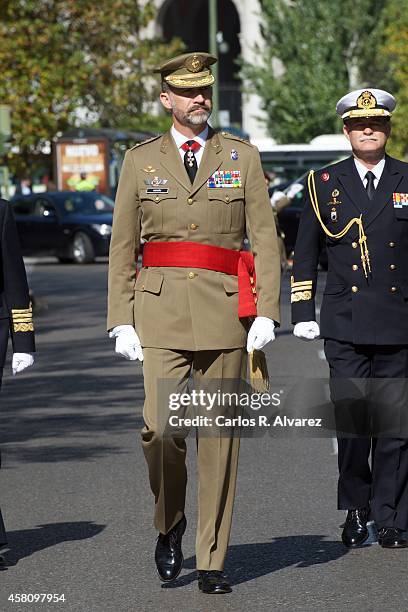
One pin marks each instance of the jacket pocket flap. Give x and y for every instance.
(332, 289)
(151, 282)
(401, 213)
(228, 194)
(230, 284)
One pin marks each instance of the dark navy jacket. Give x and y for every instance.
(356, 309)
(15, 307)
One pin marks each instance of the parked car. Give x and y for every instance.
(76, 227)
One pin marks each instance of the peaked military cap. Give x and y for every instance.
(366, 103)
(188, 70)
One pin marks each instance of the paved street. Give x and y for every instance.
(77, 504)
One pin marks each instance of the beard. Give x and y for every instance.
(188, 118)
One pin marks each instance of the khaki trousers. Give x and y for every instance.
(167, 371)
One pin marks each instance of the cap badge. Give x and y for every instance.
(194, 64)
(366, 100)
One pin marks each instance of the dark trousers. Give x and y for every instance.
(3, 538)
(369, 391)
(4, 332)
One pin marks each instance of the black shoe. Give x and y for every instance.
(391, 537)
(168, 555)
(213, 582)
(355, 530)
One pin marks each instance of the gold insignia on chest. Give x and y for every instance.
(334, 201)
(156, 181)
(149, 169)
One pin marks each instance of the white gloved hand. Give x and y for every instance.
(127, 342)
(307, 330)
(276, 196)
(261, 332)
(21, 361)
(294, 190)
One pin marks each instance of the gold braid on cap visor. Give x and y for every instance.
(362, 238)
(369, 112)
(190, 80)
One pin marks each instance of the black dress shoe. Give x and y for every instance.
(355, 530)
(168, 555)
(213, 582)
(391, 537)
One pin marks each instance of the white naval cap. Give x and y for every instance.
(366, 103)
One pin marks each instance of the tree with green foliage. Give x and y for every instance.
(395, 54)
(75, 62)
(311, 54)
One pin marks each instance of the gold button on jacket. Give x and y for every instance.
(166, 308)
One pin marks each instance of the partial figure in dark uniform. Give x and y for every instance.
(361, 205)
(15, 309)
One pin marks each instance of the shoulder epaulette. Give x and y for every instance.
(139, 144)
(234, 137)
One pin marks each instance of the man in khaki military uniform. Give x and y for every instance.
(191, 194)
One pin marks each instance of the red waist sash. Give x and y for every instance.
(209, 257)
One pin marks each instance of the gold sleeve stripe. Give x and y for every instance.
(304, 282)
(21, 310)
(22, 319)
(298, 287)
(301, 296)
(23, 327)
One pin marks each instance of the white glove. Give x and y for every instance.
(127, 342)
(21, 361)
(307, 330)
(276, 196)
(260, 333)
(294, 189)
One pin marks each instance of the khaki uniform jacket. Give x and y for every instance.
(179, 308)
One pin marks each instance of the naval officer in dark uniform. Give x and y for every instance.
(361, 205)
(15, 309)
